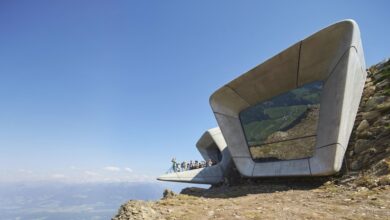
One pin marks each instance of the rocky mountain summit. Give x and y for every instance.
(360, 191)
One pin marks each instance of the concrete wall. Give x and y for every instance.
(333, 55)
(212, 138)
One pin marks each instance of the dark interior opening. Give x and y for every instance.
(214, 153)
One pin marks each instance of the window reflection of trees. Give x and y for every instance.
(284, 127)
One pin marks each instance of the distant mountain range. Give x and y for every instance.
(49, 200)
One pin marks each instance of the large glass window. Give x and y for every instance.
(284, 127)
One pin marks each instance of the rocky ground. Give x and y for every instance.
(370, 139)
(268, 202)
(361, 191)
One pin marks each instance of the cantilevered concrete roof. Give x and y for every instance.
(210, 144)
(334, 56)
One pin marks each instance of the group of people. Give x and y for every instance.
(183, 166)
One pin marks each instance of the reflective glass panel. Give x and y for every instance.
(284, 127)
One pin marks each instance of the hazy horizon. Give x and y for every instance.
(59, 200)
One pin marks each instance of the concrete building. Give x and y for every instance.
(211, 145)
(291, 115)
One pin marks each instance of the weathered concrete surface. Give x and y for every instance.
(333, 55)
(209, 145)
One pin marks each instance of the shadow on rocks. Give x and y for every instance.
(256, 186)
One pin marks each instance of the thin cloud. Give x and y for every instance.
(90, 173)
(58, 176)
(128, 169)
(112, 169)
(25, 171)
(73, 168)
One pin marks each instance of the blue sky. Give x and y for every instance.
(114, 89)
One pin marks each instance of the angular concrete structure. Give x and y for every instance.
(212, 146)
(293, 114)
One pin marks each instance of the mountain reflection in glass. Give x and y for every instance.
(284, 127)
